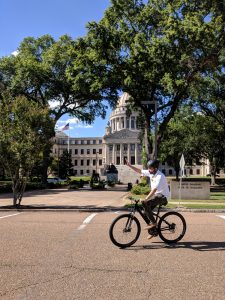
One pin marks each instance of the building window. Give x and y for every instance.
(81, 172)
(94, 142)
(88, 142)
(94, 162)
(128, 123)
(76, 151)
(110, 147)
(88, 171)
(82, 142)
(75, 172)
(81, 151)
(100, 151)
(117, 160)
(118, 147)
(70, 151)
(88, 162)
(132, 160)
(100, 141)
(122, 122)
(164, 171)
(82, 162)
(170, 172)
(76, 142)
(88, 151)
(125, 147)
(75, 162)
(100, 162)
(191, 172)
(198, 171)
(94, 151)
(132, 123)
(132, 147)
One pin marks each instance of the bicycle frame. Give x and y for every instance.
(145, 218)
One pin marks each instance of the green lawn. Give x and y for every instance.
(216, 201)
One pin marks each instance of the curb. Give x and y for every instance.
(103, 209)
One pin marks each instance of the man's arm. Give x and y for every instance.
(132, 167)
(152, 193)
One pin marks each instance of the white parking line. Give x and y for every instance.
(10, 215)
(223, 217)
(86, 221)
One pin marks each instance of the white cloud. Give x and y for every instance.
(84, 126)
(53, 104)
(15, 53)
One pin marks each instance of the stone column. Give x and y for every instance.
(128, 152)
(121, 154)
(136, 154)
(113, 154)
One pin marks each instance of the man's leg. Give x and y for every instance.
(149, 205)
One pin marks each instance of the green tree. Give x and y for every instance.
(42, 72)
(156, 51)
(25, 130)
(190, 132)
(65, 165)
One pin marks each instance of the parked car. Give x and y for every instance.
(56, 180)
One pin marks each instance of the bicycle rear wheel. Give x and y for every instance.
(125, 230)
(171, 227)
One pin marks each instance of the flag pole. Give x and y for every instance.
(68, 141)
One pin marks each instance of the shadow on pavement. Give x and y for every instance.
(197, 246)
(34, 193)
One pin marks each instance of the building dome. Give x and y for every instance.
(119, 119)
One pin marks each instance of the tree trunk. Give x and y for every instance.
(46, 162)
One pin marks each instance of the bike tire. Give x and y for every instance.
(124, 220)
(166, 230)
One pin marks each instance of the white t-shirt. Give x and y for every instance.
(158, 181)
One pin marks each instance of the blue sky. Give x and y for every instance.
(22, 18)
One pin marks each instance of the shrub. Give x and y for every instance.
(73, 187)
(144, 181)
(139, 190)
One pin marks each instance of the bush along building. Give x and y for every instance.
(120, 142)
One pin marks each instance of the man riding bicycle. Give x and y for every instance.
(159, 189)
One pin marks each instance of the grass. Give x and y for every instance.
(216, 201)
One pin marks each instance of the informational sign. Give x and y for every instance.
(182, 165)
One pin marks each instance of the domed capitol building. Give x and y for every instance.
(120, 142)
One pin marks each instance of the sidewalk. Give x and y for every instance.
(82, 199)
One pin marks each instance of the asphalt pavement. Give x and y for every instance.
(67, 255)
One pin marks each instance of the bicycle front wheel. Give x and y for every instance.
(125, 230)
(171, 227)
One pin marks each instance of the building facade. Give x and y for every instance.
(120, 142)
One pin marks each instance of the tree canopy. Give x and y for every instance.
(42, 70)
(25, 130)
(156, 50)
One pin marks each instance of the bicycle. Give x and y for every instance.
(126, 228)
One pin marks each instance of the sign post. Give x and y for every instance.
(182, 165)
